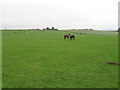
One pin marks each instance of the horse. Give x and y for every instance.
(66, 36)
(72, 37)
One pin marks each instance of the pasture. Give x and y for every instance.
(43, 59)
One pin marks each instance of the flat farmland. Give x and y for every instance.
(43, 59)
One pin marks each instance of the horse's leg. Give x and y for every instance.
(74, 37)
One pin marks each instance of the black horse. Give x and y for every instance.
(72, 37)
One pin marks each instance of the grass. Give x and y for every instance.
(45, 60)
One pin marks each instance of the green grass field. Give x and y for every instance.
(38, 59)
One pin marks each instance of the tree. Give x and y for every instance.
(119, 31)
(52, 28)
(90, 29)
(55, 29)
(48, 28)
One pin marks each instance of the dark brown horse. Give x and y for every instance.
(66, 36)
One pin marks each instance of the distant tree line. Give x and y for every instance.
(118, 29)
(50, 28)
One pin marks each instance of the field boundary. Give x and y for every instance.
(101, 33)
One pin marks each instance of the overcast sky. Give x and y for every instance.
(62, 14)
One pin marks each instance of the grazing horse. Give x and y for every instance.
(72, 37)
(66, 36)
